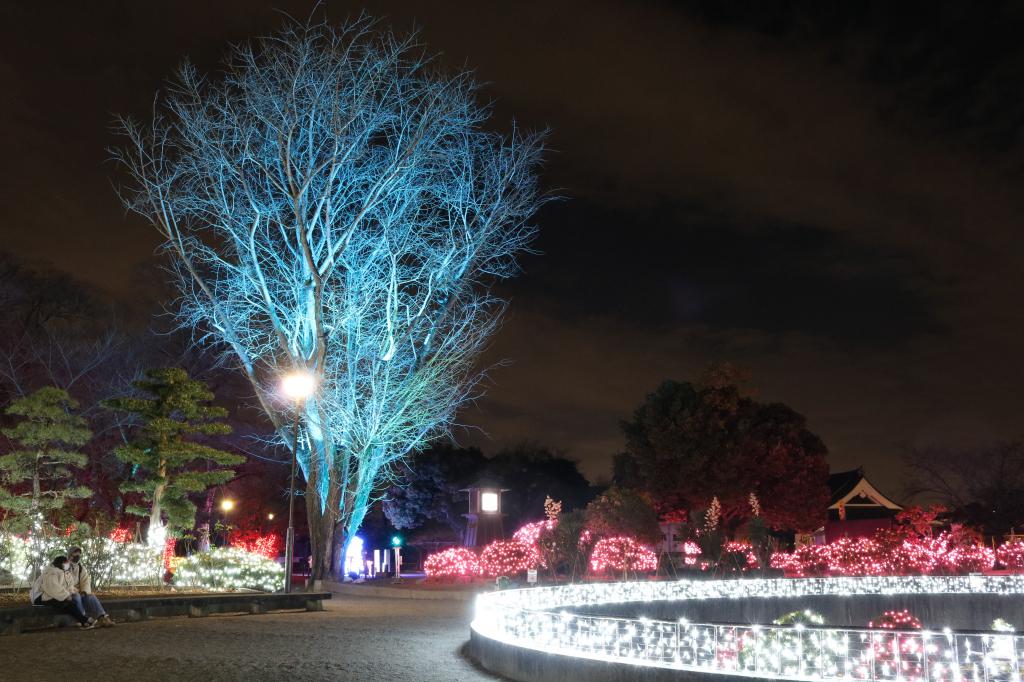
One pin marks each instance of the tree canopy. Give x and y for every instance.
(428, 488)
(38, 475)
(167, 464)
(335, 205)
(688, 443)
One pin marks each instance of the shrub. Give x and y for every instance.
(229, 569)
(454, 562)
(1011, 555)
(896, 620)
(253, 541)
(110, 563)
(507, 557)
(622, 553)
(968, 559)
(804, 617)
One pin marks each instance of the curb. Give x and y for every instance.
(351, 590)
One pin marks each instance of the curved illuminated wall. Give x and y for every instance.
(551, 633)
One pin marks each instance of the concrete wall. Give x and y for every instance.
(527, 665)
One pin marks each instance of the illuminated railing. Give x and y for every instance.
(540, 619)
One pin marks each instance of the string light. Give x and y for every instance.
(622, 553)
(507, 557)
(455, 562)
(121, 534)
(1011, 555)
(229, 569)
(896, 620)
(742, 548)
(942, 554)
(268, 545)
(541, 619)
(110, 562)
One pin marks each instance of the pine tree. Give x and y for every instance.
(167, 466)
(46, 426)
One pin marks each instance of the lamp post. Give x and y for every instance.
(227, 505)
(298, 386)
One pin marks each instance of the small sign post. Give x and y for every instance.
(531, 575)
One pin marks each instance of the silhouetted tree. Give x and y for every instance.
(532, 472)
(621, 511)
(687, 444)
(983, 487)
(427, 488)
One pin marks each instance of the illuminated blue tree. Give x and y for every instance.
(334, 205)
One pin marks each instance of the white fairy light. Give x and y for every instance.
(542, 619)
(229, 569)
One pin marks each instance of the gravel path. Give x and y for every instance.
(356, 638)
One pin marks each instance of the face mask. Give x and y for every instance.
(75, 559)
(67, 567)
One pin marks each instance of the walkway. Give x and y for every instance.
(356, 638)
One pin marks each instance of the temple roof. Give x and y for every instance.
(852, 488)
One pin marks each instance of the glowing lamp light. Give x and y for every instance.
(270, 516)
(396, 540)
(489, 502)
(298, 385)
(227, 505)
(354, 556)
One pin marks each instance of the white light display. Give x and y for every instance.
(229, 569)
(489, 502)
(354, 556)
(541, 619)
(110, 562)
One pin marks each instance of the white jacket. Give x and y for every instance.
(52, 583)
(80, 578)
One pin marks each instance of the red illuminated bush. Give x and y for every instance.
(121, 534)
(455, 562)
(252, 541)
(1011, 555)
(896, 620)
(968, 559)
(741, 554)
(622, 553)
(507, 557)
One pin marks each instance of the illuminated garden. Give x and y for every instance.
(706, 368)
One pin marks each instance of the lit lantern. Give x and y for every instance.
(484, 520)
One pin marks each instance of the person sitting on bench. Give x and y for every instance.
(81, 592)
(53, 588)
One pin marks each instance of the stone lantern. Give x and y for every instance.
(484, 520)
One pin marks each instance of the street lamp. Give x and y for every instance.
(298, 386)
(227, 505)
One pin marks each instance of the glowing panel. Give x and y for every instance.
(489, 502)
(354, 556)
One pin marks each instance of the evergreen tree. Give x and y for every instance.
(37, 476)
(167, 465)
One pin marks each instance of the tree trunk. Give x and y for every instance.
(323, 531)
(155, 534)
(36, 496)
(206, 526)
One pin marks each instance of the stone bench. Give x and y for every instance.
(17, 619)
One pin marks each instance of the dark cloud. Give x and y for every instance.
(669, 265)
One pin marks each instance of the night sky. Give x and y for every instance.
(828, 195)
